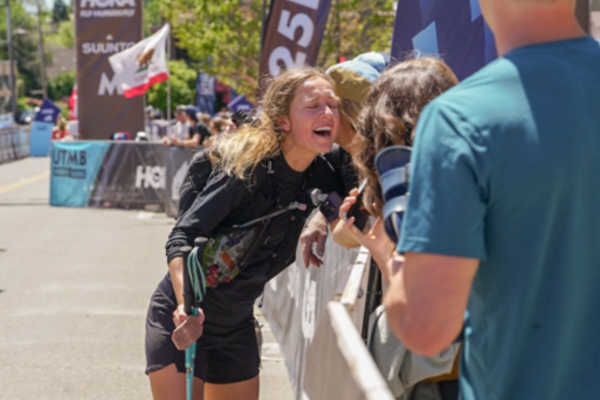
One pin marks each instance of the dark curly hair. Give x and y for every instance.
(390, 115)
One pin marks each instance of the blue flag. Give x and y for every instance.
(240, 103)
(452, 29)
(41, 129)
(49, 112)
(206, 94)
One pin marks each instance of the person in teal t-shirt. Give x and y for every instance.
(503, 219)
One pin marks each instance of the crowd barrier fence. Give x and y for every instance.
(316, 315)
(14, 144)
(338, 364)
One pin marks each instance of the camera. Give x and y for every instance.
(329, 204)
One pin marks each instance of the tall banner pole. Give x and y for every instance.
(169, 81)
(104, 28)
(452, 29)
(263, 16)
(292, 36)
(42, 52)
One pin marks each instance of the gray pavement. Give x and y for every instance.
(74, 288)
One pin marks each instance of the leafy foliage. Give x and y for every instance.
(25, 49)
(355, 27)
(152, 16)
(224, 36)
(183, 87)
(61, 86)
(60, 12)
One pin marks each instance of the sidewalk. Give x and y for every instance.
(274, 379)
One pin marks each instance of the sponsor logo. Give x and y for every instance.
(107, 8)
(65, 161)
(108, 86)
(69, 157)
(309, 308)
(105, 47)
(178, 181)
(150, 177)
(106, 3)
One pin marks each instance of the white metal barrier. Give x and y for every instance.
(328, 360)
(338, 364)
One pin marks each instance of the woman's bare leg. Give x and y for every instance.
(244, 390)
(169, 384)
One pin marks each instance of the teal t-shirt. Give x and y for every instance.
(506, 169)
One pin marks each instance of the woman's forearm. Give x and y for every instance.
(176, 272)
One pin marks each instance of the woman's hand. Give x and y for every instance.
(376, 240)
(315, 232)
(179, 316)
(188, 328)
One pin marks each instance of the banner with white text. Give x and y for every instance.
(103, 28)
(293, 34)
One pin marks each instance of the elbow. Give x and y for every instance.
(419, 333)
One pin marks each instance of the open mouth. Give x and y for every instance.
(324, 131)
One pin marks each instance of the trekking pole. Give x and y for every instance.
(190, 352)
(193, 292)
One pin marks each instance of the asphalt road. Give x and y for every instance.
(74, 288)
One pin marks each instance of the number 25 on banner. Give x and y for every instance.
(287, 27)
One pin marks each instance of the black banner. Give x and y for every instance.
(293, 34)
(103, 28)
(177, 160)
(132, 175)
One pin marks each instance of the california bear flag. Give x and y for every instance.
(142, 65)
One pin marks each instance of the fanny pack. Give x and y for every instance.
(224, 255)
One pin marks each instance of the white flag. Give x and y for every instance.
(142, 65)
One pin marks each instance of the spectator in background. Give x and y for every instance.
(151, 128)
(178, 132)
(198, 132)
(224, 113)
(502, 218)
(60, 130)
(216, 126)
(204, 118)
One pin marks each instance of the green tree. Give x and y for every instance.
(183, 87)
(59, 12)
(224, 36)
(25, 49)
(61, 86)
(64, 35)
(152, 16)
(355, 27)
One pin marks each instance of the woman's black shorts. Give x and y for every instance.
(221, 357)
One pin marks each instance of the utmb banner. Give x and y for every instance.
(103, 28)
